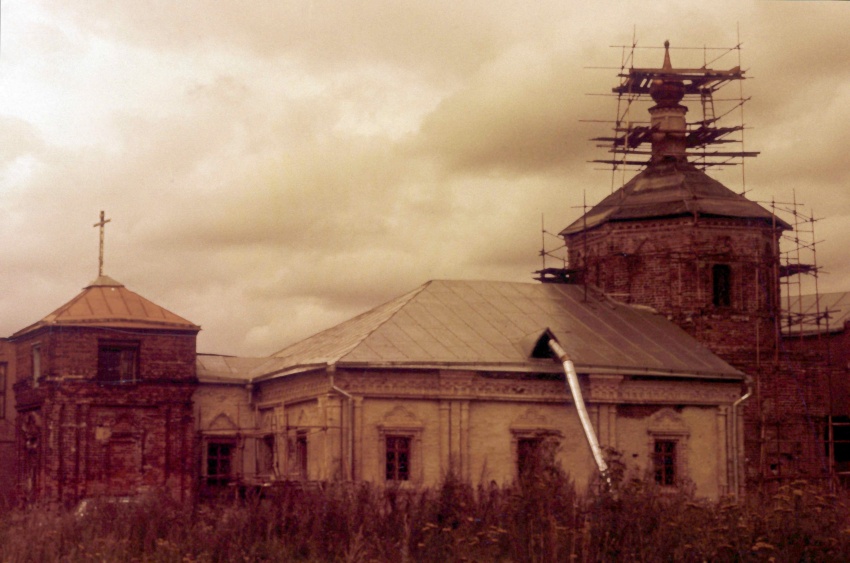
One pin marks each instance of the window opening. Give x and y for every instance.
(36, 364)
(267, 455)
(2, 390)
(722, 285)
(298, 453)
(838, 440)
(398, 458)
(117, 363)
(219, 463)
(528, 455)
(665, 462)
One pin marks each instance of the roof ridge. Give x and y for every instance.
(399, 301)
(62, 308)
(402, 301)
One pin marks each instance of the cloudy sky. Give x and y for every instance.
(273, 167)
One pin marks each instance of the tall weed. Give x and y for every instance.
(541, 517)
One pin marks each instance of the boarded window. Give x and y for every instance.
(398, 458)
(664, 461)
(721, 275)
(117, 362)
(219, 463)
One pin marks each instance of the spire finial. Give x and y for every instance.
(667, 65)
(102, 223)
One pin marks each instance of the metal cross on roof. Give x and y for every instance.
(102, 223)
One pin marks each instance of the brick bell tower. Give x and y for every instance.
(677, 240)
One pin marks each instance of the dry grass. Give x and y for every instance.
(540, 518)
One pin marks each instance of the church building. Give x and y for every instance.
(668, 318)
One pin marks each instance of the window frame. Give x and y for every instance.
(218, 479)
(105, 351)
(667, 425)
(35, 353)
(415, 459)
(721, 285)
(543, 437)
(665, 464)
(297, 458)
(267, 455)
(398, 445)
(4, 381)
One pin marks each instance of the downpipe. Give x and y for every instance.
(584, 417)
(350, 403)
(736, 478)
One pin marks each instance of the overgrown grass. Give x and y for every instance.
(540, 518)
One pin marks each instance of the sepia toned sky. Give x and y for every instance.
(272, 168)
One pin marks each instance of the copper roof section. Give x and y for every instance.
(107, 303)
(672, 189)
(481, 325)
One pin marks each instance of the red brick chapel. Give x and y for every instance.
(104, 397)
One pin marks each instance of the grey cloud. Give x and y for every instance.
(320, 158)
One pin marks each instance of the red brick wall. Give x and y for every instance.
(832, 349)
(78, 437)
(71, 352)
(786, 415)
(667, 264)
(8, 466)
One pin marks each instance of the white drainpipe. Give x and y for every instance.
(735, 437)
(350, 401)
(575, 390)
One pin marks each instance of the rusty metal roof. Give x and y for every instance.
(107, 303)
(833, 309)
(671, 189)
(214, 368)
(484, 325)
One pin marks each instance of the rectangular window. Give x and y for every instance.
(266, 458)
(721, 275)
(528, 452)
(838, 443)
(298, 455)
(219, 463)
(36, 364)
(2, 390)
(664, 459)
(117, 362)
(398, 458)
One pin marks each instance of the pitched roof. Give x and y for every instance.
(833, 309)
(214, 368)
(671, 189)
(107, 303)
(489, 325)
